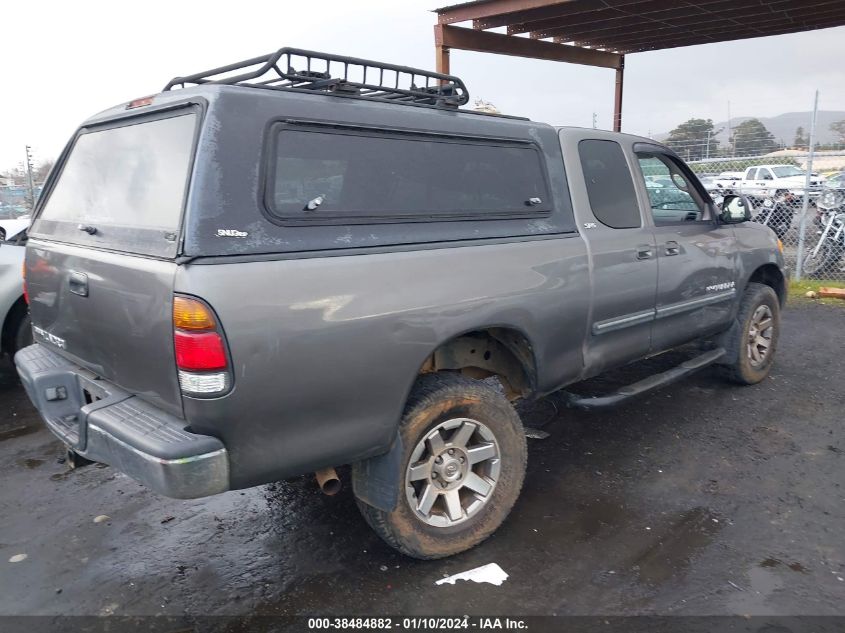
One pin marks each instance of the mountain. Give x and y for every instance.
(783, 126)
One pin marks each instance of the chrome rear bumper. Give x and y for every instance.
(105, 424)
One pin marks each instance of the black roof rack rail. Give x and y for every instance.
(310, 71)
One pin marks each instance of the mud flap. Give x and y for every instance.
(379, 479)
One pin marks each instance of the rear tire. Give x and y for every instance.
(752, 340)
(462, 468)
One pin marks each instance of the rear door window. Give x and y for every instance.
(123, 187)
(610, 186)
(320, 176)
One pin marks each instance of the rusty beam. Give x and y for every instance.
(482, 41)
(478, 10)
(441, 59)
(617, 96)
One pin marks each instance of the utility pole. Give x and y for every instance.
(807, 180)
(29, 178)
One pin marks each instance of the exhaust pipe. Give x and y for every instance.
(328, 481)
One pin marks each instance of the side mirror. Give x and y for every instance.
(735, 209)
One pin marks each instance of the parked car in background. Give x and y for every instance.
(710, 182)
(16, 330)
(768, 181)
(9, 228)
(835, 181)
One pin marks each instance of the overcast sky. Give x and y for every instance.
(67, 60)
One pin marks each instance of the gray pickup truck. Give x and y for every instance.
(275, 267)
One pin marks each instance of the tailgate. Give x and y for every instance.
(100, 261)
(108, 312)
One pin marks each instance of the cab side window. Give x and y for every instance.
(764, 174)
(672, 196)
(610, 186)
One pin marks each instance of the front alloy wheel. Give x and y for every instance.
(759, 336)
(751, 342)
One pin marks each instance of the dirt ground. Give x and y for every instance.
(702, 498)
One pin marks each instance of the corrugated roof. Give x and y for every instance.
(633, 26)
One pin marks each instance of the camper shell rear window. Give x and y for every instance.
(123, 185)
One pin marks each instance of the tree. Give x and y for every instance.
(39, 174)
(839, 128)
(751, 138)
(800, 139)
(694, 139)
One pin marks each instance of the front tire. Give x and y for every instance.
(462, 468)
(752, 340)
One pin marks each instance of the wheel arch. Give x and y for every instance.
(770, 275)
(502, 351)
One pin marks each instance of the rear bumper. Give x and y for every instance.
(105, 424)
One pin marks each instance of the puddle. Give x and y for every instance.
(33, 463)
(763, 582)
(683, 540)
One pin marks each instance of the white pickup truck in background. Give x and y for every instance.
(765, 181)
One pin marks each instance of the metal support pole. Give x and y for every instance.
(807, 183)
(441, 59)
(617, 98)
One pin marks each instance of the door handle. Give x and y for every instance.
(672, 248)
(644, 252)
(78, 284)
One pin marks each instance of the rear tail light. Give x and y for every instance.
(200, 349)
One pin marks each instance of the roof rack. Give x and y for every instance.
(309, 71)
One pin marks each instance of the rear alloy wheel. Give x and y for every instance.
(463, 465)
(452, 472)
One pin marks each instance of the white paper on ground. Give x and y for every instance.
(490, 573)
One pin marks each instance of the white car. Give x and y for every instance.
(14, 314)
(12, 227)
(764, 181)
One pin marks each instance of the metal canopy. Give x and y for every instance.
(601, 32)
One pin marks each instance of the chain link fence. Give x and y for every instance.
(807, 212)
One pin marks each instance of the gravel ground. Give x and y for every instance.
(702, 498)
